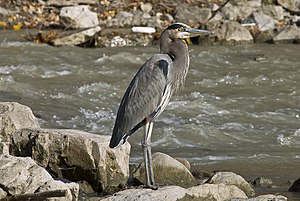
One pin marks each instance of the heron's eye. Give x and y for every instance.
(180, 29)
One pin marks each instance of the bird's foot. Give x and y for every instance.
(151, 186)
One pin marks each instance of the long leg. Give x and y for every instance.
(148, 157)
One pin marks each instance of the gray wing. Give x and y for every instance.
(142, 99)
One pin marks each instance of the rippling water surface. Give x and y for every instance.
(239, 111)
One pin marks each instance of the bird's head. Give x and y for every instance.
(183, 31)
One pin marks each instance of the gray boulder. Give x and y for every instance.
(76, 155)
(236, 13)
(78, 17)
(191, 14)
(227, 32)
(13, 118)
(216, 192)
(20, 175)
(167, 171)
(264, 22)
(231, 178)
(276, 12)
(289, 34)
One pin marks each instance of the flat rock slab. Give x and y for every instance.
(289, 34)
(216, 192)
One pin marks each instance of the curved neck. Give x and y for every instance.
(178, 51)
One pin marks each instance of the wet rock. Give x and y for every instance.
(86, 37)
(291, 5)
(290, 34)
(167, 171)
(20, 175)
(13, 118)
(216, 192)
(262, 182)
(236, 13)
(263, 21)
(191, 14)
(267, 197)
(75, 155)
(231, 178)
(295, 186)
(78, 17)
(227, 32)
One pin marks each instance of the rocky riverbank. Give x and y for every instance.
(75, 165)
(128, 23)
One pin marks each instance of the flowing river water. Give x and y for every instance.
(239, 110)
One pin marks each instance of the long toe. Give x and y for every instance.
(153, 187)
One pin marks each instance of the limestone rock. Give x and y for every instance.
(167, 171)
(295, 186)
(191, 14)
(78, 17)
(236, 13)
(78, 38)
(216, 192)
(22, 175)
(14, 117)
(230, 33)
(263, 21)
(231, 178)
(276, 12)
(76, 155)
(289, 34)
(267, 197)
(291, 5)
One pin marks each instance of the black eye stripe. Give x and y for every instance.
(179, 27)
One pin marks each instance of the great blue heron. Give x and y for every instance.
(151, 89)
